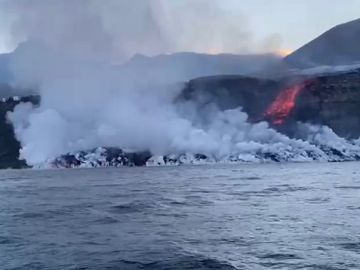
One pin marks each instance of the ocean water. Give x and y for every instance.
(274, 216)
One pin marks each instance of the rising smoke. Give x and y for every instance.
(87, 102)
(120, 29)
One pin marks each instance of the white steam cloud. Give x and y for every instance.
(86, 102)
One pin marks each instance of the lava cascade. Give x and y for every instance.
(279, 110)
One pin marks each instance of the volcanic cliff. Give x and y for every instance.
(329, 99)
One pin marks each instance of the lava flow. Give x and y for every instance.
(284, 103)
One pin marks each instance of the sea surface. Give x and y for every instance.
(274, 216)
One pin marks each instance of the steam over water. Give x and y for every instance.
(298, 216)
(91, 105)
(221, 136)
(88, 102)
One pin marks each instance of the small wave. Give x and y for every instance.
(251, 178)
(5, 240)
(132, 207)
(180, 263)
(347, 187)
(29, 215)
(351, 246)
(280, 256)
(318, 200)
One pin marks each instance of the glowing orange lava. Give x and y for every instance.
(284, 103)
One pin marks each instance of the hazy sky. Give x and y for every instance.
(297, 21)
(288, 23)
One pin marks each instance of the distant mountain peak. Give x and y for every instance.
(338, 46)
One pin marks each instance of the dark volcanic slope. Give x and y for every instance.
(334, 101)
(338, 46)
(9, 146)
(230, 92)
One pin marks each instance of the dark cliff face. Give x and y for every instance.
(331, 100)
(230, 92)
(9, 146)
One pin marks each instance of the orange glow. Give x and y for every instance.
(214, 51)
(284, 52)
(284, 103)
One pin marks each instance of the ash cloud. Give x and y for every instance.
(118, 29)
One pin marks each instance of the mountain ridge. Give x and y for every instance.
(339, 45)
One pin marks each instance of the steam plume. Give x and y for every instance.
(86, 102)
